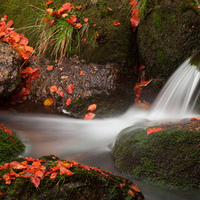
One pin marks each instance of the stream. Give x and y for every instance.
(90, 141)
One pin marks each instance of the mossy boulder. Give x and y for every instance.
(113, 42)
(169, 157)
(10, 145)
(51, 178)
(167, 35)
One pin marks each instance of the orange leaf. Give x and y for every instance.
(70, 88)
(153, 130)
(47, 20)
(137, 91)
(49, 68)
(92, 107)
(49, 2)
(53, 175)
(135, 188)
(116, 23)
(15, 36)
(132, 193)
(28, 48)
(35, 180)
(122, 184)
(9, 24)
(48, 102)
(73, 18)
(81, 73)
(86, 20)
(78, 7)
(68, 102)
(53, 88)
(78, 25)
(89, 116)
(109, 8)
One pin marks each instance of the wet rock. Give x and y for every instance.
(9, 69)
(169, 157)
(167, 35)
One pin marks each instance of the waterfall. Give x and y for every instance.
(179, 95)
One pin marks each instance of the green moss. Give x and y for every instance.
(113, 43)
(83, 184)
(10, 146)
(116, 103)
(168, 157)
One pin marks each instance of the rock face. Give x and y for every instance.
(9, 69)
(167, 35)
(167, 157)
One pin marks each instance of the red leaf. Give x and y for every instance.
(5, 129)
(67, 6)
(116, 23)
(78, 25)
(35, 180)
(193, 119)
(60, 93)
(53, 175)
(81, 73)
(137, 91)
(153, 130)
(92, 107)
(132, 193)
(68, 102)
(73, 18)
(89, 116)
(70, 88)
(47, 20)
(53, 88)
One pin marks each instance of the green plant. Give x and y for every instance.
(59, 31)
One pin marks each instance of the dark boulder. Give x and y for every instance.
(167, 35)
(9, 70)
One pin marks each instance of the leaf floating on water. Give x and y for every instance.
(48, 102)
(153, 130)
(92, 107)
(89, 116)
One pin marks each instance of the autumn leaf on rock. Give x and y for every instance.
(68, 102)
(153, 130)
(89, 116)
(116, 23)
(70, 88)
(53, 88)
(92, 107)
(35, 180)
(48, 102)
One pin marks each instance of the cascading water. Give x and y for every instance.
(64, 137)
(179, 95)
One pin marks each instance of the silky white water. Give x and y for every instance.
(89, 142)
(178, 97)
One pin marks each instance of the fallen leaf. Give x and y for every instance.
(153, 130)
(81, 73)
(60, 93)
(49, 2)
(92, 107)
(135, 188)
(86, 20)
(132, 193)
(89, 116)
(35, 180)
(47, 20)
(78, 25)
(109, 8)
(49, 68)
(5, 129)
(48, 102)
(70, 88)
(53, 88)
(68, 102)
(53, 175)
(116, 23)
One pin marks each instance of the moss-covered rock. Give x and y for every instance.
(108, 105)
(167, 35)
(58, 179)
(10, 146)
(168, 157)
(113, 42)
